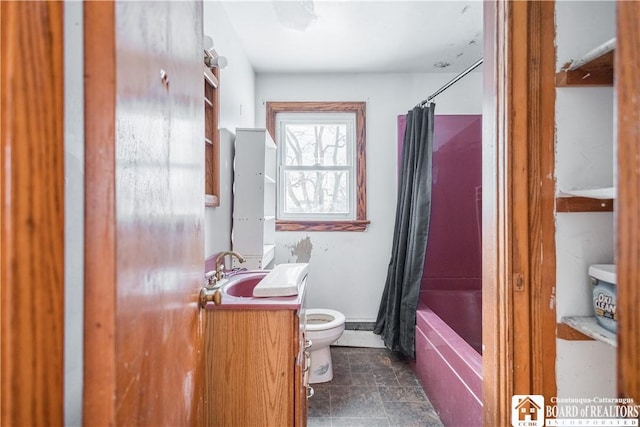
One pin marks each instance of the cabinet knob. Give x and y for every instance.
(209, 295)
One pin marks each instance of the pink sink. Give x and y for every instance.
(242, 285)
(237, 294)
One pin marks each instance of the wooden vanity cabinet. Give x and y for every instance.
(255, 368)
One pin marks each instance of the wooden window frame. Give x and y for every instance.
(212, 139)
(359, 108)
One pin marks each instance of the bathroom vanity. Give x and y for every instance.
(256, 363)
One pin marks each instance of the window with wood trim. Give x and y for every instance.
(211, 138)
(321, 165)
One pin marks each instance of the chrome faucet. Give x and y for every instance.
(219, 274)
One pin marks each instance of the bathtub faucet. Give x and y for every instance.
(219, 275)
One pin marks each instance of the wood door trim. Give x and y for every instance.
(518, 219)
(99, 241)
(496, 336)
(541, 216)
(627, 70)
(32, 213)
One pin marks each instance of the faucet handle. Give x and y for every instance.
(211, 278)
(219, 273)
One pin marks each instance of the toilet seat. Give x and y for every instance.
(318, 319)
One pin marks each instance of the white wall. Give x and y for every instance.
(584, 159)
(237, 109)
(348, 269)
(74, 212)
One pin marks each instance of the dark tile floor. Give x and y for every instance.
(370, 387)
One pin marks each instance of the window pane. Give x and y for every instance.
(314, 144)
(320, 192)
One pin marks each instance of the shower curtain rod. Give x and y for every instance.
(450, 83)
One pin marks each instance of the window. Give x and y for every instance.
(321, 165)
(211, 138)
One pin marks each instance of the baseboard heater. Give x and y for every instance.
(359, 326)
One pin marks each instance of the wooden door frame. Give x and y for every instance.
(32, 213)
(519, 318)
(100, 230)
(627, 77)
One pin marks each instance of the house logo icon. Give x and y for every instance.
(527, 410)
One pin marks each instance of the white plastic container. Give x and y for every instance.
(603, 278)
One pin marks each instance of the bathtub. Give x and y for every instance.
(449, 369)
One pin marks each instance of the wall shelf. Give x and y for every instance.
(583, 204)
(567, 333)
(593, 69)
(588, 326)
(211, 139)
(594, 193)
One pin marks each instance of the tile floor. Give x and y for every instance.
(370, 387)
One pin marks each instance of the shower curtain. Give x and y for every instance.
(396, 320)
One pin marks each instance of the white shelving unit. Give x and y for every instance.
(254, 201)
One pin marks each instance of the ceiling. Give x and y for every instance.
(358, 36)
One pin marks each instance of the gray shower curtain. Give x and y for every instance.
(396, 320)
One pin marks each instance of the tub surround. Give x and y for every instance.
(453, 263)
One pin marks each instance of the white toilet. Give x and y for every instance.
(323, 328)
